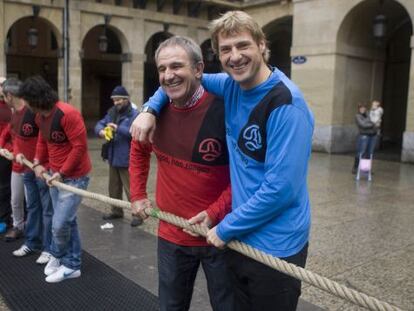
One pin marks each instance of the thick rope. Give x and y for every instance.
(299, 273)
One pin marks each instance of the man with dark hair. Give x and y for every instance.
(62, 143)
(192, 178)
(114, 128)
(38, 203)
(5, 165)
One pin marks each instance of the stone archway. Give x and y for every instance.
(101, 72)
(39, 56)
(376, 70)
(151, 82)
(279, 37)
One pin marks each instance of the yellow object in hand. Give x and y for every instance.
(108, 133)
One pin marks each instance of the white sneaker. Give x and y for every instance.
(52, 265)
(63, 273)
(43, 258)
(22, 251)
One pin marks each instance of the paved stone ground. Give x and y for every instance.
(362, 233)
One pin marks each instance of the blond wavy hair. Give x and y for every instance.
(235, 22)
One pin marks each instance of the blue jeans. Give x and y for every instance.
(47, 214)
(177, 269)
(39, 213)
(66, 244)
(366, 145)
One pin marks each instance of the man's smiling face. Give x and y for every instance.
(178, 76)
(241, 57)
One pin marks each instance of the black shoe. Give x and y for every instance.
(13, 234)
(136, 221)
(111, 216)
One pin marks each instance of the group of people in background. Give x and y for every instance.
(369, 131)
(232, 152)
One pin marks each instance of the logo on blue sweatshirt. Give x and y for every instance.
(253, 138)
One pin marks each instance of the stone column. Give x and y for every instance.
(408, 138)
(133, 77)
(318, 78)
(3, 34)
(133, 66)
(319, 71)
(60, 74)
(75, 65)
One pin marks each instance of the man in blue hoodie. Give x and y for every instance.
(269, 131)
(114, 128)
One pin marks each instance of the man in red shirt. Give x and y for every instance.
(38, 203)
(192, 177)
(62, 144)
(5, 165)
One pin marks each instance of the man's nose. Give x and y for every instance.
(169, 73)
(235, 54)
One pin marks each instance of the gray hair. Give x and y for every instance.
(11, 86)
(192, 49)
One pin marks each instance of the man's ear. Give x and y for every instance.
(262, 46)
(199, 68)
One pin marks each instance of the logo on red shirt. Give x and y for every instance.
(57, 136)
(27, 129)
(210, 149)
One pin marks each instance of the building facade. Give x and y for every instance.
(340, 53)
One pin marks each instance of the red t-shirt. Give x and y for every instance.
(22, 132)
(63, 141)
(25, 134)
(193, 172)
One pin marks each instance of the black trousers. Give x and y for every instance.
(5, 192)
(259, 287)
(177, 268)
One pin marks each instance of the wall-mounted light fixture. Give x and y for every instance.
(379, 26)
(103, 39)
(32, 32)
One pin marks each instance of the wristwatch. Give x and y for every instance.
(148, 109)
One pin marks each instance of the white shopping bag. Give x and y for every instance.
(365, 165)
